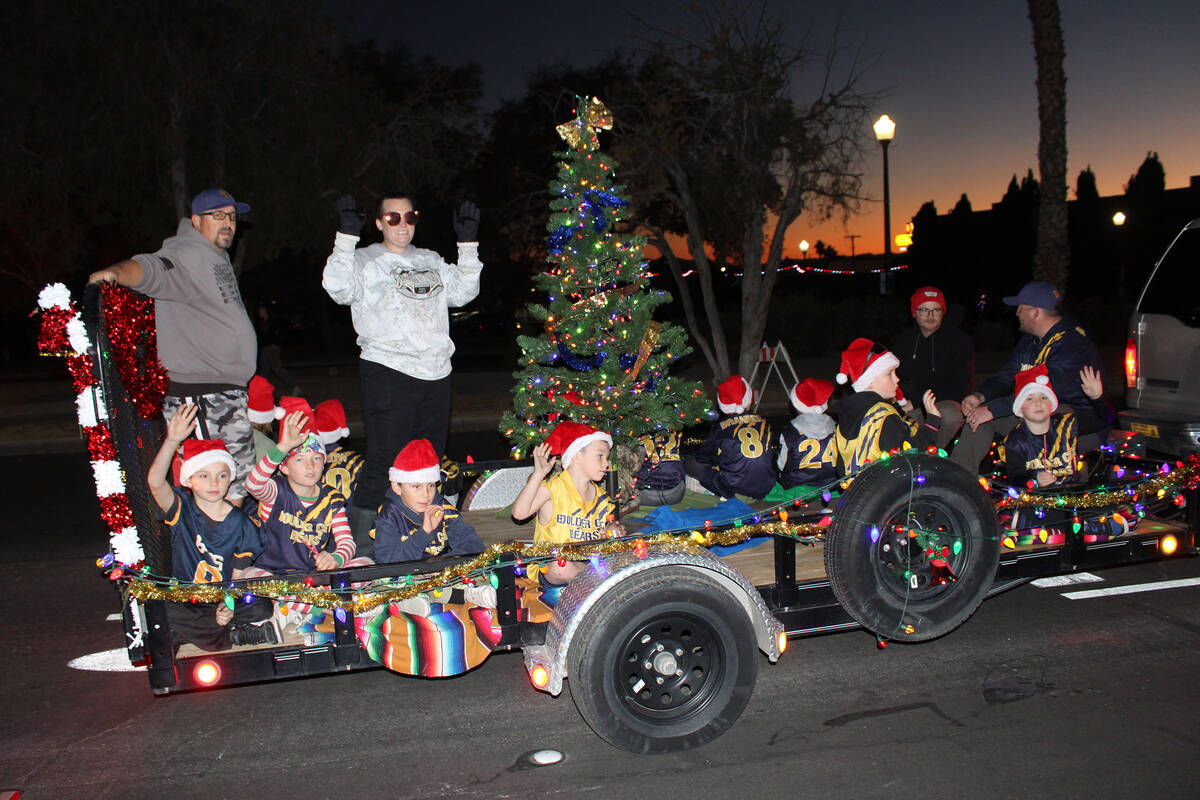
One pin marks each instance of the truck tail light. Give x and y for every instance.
(1131, 365)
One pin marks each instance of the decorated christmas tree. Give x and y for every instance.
(602, 359)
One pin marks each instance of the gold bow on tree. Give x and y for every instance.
(592, 116)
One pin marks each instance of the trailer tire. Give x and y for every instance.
(910, 587)
(665, 661)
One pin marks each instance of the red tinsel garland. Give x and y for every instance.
(52, 339)
(129, 321)
(100, 443)
(115, 511)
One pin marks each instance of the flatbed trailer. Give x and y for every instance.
(658, 637)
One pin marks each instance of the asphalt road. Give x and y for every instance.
(1036, 695)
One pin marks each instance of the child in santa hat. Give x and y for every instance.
(304, 519)
(260, 408)
(571, 506)
(212, 541)
(415, 521)
(1040, 450)
(869, 421)
(807, 451)
(738, 457)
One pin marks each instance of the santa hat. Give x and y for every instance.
(927, 294)
(331, 421)
(811, 395)
(734, 395)
(261, 407)
(416, 463)
(199, 453)
(287, 406)
(1034, 380)
(568, 438)
(864, 361)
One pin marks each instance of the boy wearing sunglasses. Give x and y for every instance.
(399, 297)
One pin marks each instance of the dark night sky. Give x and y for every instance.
(959, 80)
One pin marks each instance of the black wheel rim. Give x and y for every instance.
(920, 550)
(669, 667)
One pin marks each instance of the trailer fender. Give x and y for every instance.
(589, 589)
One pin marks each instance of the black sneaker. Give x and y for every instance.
(263, 632)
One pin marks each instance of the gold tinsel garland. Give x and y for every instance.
(366, 598)
(1157, 487)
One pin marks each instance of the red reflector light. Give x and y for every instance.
(1131, 362)
(540, 676)
(207, 673)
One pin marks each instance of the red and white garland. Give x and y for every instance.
(63, 334)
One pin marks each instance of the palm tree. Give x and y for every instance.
(1053, 249)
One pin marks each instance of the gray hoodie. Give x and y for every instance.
(204, 333)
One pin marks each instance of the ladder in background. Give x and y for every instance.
(771, 356)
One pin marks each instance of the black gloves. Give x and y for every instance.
(466, 222)
(350, 216)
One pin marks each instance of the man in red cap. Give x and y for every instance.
(934, 355)
(738, 457)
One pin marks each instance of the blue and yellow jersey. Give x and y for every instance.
(1025, 453)
(572, 520)
(661, 465)
(880, 428)
(806, 460)
(342, 466)
(741, 449)
(204, 553)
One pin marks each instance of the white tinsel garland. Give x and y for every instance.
(89, 405)
(77, 335)
(55, 295)
(109, 479)
(125, 546)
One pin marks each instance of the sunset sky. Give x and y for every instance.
(958, 77)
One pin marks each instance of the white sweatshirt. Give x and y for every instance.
(399, 301)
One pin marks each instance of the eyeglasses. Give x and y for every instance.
(219, 215)
(929, 312)
(393, 217)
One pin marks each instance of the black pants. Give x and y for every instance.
(196, 623)
(397, 409)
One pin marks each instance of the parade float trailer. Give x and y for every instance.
(659, 639)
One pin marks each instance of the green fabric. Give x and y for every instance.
(781, 495)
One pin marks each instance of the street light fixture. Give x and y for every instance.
(885, 129)
(804, 248)
(1119, 218)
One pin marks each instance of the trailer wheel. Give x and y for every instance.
(913, 547)
(665, 661)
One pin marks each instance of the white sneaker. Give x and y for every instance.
(483, 595)
(417, 606)
(289, 620)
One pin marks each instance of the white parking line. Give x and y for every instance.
(117, 617)
(1066, 580)
(1132, 589)
(105, 661)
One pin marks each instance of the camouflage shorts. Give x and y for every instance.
(223, 416)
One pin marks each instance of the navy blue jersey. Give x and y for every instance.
(296, 534)
(400, 534)
(1025, 453)
(741, 449)
(202, 552)
(807, 460)
(661, 466)
(870, 426)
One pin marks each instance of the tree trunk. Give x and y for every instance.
(1053, 250)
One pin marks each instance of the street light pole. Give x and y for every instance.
(885, 129)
